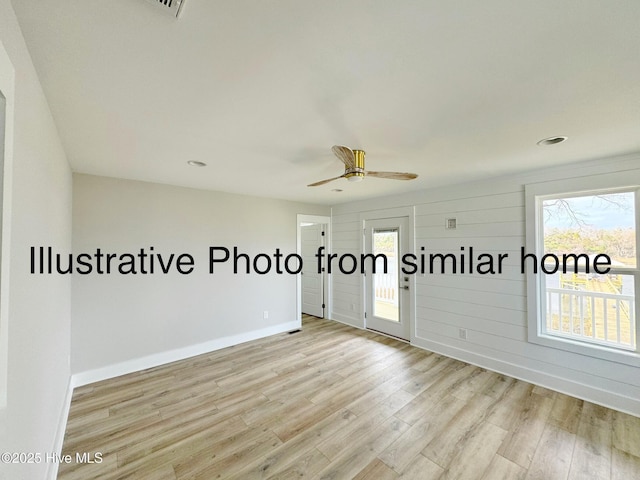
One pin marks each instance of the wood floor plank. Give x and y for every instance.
(592, 451)
(481, 445)
(275, 410)
(294, 383)
(336, 402)
(167, 454)
(520, 444)
(498, 385)
(474, 384)
(370, 364)
(446, 445)
(376, 470)
(80, 422)
(382, 390)
(354, 432)
(544, 392)
(88, 471)
(223, 457)
(350, 462)
(426, 363)
(626, 433)
(502, 469)
(566, 413)
(298, 454)
(551, 459)
(175, 435)
(229, 465)
(164, 472)
(307, 465)
(624, 466)
(443, 384)
(506, 412)
(423, 468)
(289, 428)
(114, 435)
(405, 449)
(343, 393)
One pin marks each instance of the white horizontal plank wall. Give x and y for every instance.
(347, 305)
(492, 308)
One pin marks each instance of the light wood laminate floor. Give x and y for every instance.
(334, 402)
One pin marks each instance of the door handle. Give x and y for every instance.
(406, 287)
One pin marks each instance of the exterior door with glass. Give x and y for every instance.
(387, 293)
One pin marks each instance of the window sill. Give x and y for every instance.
(602, 352)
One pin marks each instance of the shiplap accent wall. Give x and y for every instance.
(347, 296)
(490, 218)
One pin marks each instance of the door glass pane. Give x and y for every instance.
(385, 285)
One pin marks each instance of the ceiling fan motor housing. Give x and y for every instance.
(356, 173)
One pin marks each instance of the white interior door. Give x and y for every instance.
(387, 294)
(312, 282)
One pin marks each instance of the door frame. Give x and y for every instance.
(7, 88)
(325, 220)
(400, 328)
(408, 212)
(319, 305)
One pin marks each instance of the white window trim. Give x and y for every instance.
(534, 194)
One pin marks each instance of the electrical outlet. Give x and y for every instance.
(265, 314)
(353, 307)
(463, 333)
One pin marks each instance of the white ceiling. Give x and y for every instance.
(260, 91)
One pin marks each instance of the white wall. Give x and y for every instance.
(39, 307)
(124, 322)
(491, 218)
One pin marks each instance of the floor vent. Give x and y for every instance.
(172, 7)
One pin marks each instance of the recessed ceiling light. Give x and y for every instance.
(552, 140)
(338, 190)
(195, 163)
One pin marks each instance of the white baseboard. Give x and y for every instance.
(575, 389)
(52, 470)
(150, 361)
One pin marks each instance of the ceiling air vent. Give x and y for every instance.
(172, 7)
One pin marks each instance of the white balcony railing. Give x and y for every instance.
(386, 287)
(595, 317)
(386, 294)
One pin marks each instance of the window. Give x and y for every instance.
(583, 296)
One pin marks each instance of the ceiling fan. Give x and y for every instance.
(354, 168)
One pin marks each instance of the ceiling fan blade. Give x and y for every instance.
(393, 175)
(322, 182)
(345, 154)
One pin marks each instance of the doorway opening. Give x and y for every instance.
(313, 287)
